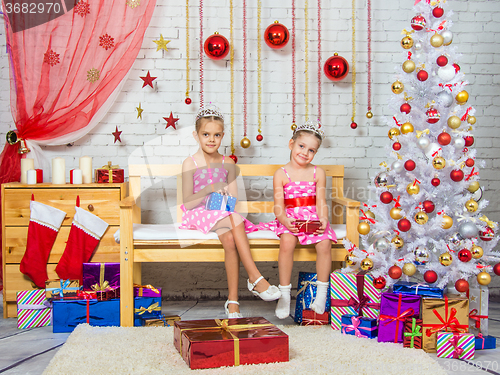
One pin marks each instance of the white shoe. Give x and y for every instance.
(233, 314)
(271, 294)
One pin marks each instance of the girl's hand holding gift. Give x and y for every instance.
(289, 223)
(324, 223)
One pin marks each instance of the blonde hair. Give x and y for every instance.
(298, 133)
(208, 118)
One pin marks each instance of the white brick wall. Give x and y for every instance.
(476, 30)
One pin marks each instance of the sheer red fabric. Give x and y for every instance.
(63, 70)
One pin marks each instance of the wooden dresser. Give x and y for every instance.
(100, 199)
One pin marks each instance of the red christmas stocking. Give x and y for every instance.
(84, 236)
(45, 222)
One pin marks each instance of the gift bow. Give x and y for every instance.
(150, 287)
(154, 307)
(401, 317)
(457, 352)
(473, 315)
(480, 337)
(352, 327)
(65, 285)
(46, 304)
(415, 331)
(102, 287)
(450, 322)
(109, 167)
(307, 284)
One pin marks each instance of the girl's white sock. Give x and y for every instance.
(319, 303)
(283, 306)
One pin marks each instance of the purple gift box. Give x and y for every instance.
(146, 291)
(100, 276)
(394, 309)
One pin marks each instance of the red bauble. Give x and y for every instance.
(422, 75)
(276, 35)
(444, 139)
(457, 175)
(386, 197)
(461, 285)
(410, 165)
(396, 146)
(496, 269)
(336, 68)
(188, 101)
(469, 141)
(379, 282)
(418, 22)
(259, 137)
(469, 162)
(216, 46)
(354, 125)
(442, 60)
(487, 234)
(435, 181)
(457, 68)
(430, 276)
(432, 115)
(395, 272)
(234, 157)
(404, 225)
(428, 206)
(465, 255)
(438, 12)
(405, 108)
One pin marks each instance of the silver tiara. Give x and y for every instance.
(209, 111)
(312, 126)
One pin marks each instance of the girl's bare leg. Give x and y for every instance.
(323, 268)
(232, 263)
(285, 264)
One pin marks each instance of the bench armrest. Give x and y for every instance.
(127, 202)
(351, 207)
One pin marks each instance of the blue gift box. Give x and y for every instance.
(485, 342)
(67, 314)
(306, 292)
(146, 308)
(221, 202)
(424, 290)
(359, 326)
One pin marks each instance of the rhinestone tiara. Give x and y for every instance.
(209, 111)
(313, 126)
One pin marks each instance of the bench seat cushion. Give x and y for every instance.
(159, 232)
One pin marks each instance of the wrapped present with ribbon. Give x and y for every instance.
(395, 308)
(146, 291)
(230, 342)
(146, 307)
(307, 226)
(101, 276)
(420, 289)
(478, 310)
(33, 309)
(448, 314)
(455, 345)
(359, 326)
(306, 293)
(311, 318)
(109, 174)
(221, 202)
(412, 336)
(59, 288)
(485, 342)
(161, 321)
(352, 294)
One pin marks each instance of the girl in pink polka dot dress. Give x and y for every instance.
(206, 172)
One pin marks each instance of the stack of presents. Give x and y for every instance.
(417, 316)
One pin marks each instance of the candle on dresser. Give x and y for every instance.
(58, 171)
(75, 176)
(26, 164)
(39, 176)
(31, 177)
(86, 168)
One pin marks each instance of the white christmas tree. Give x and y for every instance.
(427, 218)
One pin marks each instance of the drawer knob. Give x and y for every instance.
(91, 208)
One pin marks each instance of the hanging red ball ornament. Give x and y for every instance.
(404, 225)
(259, 137)
(386, 197)
(336, 67)
(354, 125)
(465, 255)
(435, 181)
(461, 285)
(496, 269)
(469, 141)
(405, 108)
(395, 272)
(487, 234)
(216, 46)
(276, 35)
(442, 60)
(379, 282)
(422, 75)
(432, 115)
(438, 12)
(457, 175)
(444, 139)
(430, 276)
(418, 22)
(396, 146)
(428, 206)
(234, 157)
(469, 162)
(410, 165)
(188, 101)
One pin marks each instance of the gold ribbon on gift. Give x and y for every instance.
(154, 307)
(109, 168)
(101, 287)
(141, 287)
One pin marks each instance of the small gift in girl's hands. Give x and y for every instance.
(307, 226)
(222, 202)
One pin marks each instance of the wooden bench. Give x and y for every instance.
(133, 251)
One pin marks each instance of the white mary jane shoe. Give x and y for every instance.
(233, 314)
(271, 294)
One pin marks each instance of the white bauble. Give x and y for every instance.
(417, 46)
(458, 143)
(445, 98)
(423, 142)
(397, 166)
(447, 37)
(447, 72)
(433, 147)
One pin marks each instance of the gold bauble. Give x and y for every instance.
(393, 132)
(407, 42)
(293, 127)
(406, 128)
(397, 87)
(369, 114)
(412, 188)
(363, 228)
(245, 142)
(447, 222)
(471, 120)
(409, 269)
(421, 217)
(476, 251)
(437, 40)
(395, 213)
(370, 214)
(445, 259)
(408, 66)
(366, 264)
(398, 242)
(471, 205)
(473, 187)
(349, 260)
(454, 122)
(483, 278)
(439, 162)
(462, 97)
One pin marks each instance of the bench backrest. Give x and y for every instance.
(136, 171)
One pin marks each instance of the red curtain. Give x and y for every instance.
(63, 70)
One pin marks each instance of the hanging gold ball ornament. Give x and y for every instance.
(439, 162)
(363, 228)
(471, 205)
(412, 188)
(454, 122)
(421, 218)
(409, 269)
(366, 264)
(245, 142)
(407, 128)
(293, 127)
(397, 87)
(393, 132)
(369, 114)
(407, 42)
(471, 120)
(476, 251)
(473, 187)
(395, 213)
(483, 278)
(447, 222)
(445, 259)
(349, 260)
(370, 214)
(409, 66)
(437, 40)
(398, 242)
(462, 97)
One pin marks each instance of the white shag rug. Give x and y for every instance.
(313, 350)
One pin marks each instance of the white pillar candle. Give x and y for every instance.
(58, 171)
(86, 168)
(31, 177)
(76, 176)
(26, 164)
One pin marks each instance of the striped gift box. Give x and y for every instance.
(33, 309)
(344, 292)
(459, 346)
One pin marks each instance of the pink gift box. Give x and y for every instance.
(460, 346)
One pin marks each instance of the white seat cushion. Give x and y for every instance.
(158, 232)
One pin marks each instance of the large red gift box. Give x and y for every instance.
(109, 173)
(229, 342)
